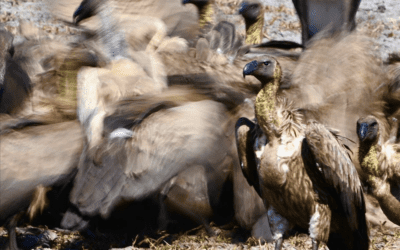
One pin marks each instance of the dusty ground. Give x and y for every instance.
(378, 18)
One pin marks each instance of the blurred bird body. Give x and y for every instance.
(33, 160)
(15, 84)
(316, 15)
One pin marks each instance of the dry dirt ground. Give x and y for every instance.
(378, 18)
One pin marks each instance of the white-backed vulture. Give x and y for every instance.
(253, 13)
(315, 15)
(98, 95)
(305, 174)
(380, 160)
(181, 67)
(32, 157)
(128, 73)
(15, 84)
(145, 155)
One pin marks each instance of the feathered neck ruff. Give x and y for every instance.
(206, 14)
(254, 31)
(276, 116)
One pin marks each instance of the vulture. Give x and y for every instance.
(303, 172)
(253, 13)
(379, 159)
(99, 90)
(15, 84)
(127, 72)
(181, 68)
(315, 15)
(161, 145)
(34, 159)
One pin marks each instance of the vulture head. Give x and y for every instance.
(250, 10)
(253, 14)
(86, 9)
(265, 70)
(368, 129)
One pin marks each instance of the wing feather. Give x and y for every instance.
(245, 138)
(334, 176)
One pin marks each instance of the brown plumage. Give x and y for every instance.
(32, 156)
(315, 15)
(158, 152)
(220, 34)
(380, 160)
(305, 174)
(15, 84)
(107, 87)
(336, 81)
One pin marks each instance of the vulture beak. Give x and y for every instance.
(11, 51)
(77, 12)
(362, 131)
(243, 7)
(250, 68)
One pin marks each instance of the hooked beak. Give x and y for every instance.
(362, 131)
(250, 68)
(77, 12)
(243, 7)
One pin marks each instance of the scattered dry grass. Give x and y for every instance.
(281, 9)
(382, 238)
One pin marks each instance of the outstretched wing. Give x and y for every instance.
(245, 138)
(335, 178)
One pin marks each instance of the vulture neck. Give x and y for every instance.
(265, 107)
(254, 30)
(111, 36)
(206, 14)
(368, 157)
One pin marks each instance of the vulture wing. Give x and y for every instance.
(245, 138)
(133, 165)
(336, 180)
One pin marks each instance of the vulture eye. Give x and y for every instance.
(266, 63)
(374, 124)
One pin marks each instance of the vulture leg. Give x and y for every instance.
(278, 243)
(279, 225)
(315, 244)
(12, 236)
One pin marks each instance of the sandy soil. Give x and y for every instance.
(378, 18)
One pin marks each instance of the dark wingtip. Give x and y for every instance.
(250, 68)
(243, 7)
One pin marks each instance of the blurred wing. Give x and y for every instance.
(330, 168)
(39, 155)
(134, 165)
(245, 139)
